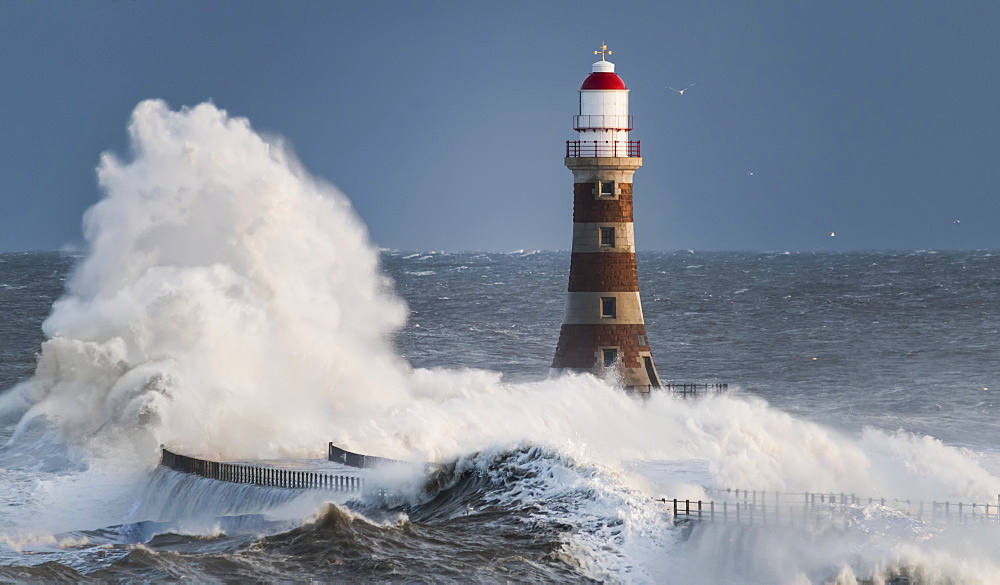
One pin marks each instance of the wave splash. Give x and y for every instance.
(226, 297)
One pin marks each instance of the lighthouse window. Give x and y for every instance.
(607, 307)
(606, 189)
(610, 356)
(642, 341)
(607, 237)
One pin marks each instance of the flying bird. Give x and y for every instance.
(680, 91)
(833, 234)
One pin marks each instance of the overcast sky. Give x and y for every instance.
(445, 122)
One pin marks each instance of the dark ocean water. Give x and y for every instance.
(889, 341)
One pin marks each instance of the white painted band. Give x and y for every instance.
(587, 237)
(584, 308)
(592, 169)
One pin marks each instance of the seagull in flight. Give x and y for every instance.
(680, 91)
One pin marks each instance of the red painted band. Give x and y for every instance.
(578, 345)
(603, 272)
(587, 208)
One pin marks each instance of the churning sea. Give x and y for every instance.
(874, 373)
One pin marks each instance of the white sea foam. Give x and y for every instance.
(230, 305)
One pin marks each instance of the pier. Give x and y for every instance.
(820, 510)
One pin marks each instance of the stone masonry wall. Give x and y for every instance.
(587, 208)
(603, 272)
(578, 345)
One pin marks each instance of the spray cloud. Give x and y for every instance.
(225, 294)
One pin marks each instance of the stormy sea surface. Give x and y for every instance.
(230, 307)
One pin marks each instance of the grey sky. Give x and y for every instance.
(445, 122)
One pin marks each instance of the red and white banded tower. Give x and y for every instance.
(603, 328)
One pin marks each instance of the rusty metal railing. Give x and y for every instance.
(602, 148)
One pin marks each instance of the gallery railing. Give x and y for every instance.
(602, 148)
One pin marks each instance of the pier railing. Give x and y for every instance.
(335, 453)
(822, 510)
(694, 389)
(683, 389)
(262, 476)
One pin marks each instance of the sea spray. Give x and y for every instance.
(741, 441)
(229, 303)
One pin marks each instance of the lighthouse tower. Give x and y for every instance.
(603, 330)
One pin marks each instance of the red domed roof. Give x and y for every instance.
(603, 80)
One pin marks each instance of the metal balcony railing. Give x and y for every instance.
(601, 121)
(600, 148)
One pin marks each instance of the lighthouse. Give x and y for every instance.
(603, 330)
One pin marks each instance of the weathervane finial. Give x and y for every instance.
(604, 51)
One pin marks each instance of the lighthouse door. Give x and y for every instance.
(650, 371)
